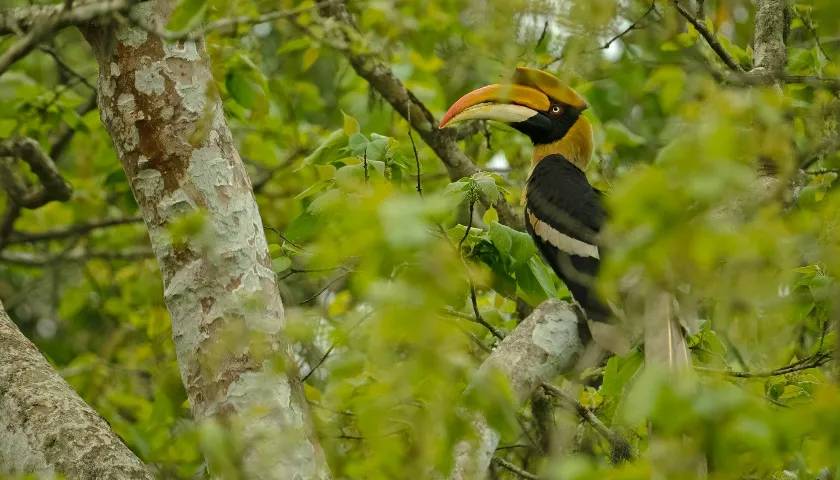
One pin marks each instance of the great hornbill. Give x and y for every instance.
(563, 212)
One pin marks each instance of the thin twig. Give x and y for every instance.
(479, 320)
(66, 68)
(473, 296)
(809, 25)
(324, 288)
(542, 36)
(367, 175)
(283, 237)
(514, 469)
(469, 226)
(66, 132)
(633, 26)
(315, 367)
(814, 361)
(416, 156)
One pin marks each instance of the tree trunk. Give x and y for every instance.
(158, 101)
(45, 428)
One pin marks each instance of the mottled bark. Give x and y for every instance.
(543, 346)
(45, 428)
(158, 101)
(771, 21)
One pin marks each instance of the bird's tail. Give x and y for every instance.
(665, 342)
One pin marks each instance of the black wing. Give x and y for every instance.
(564, 214)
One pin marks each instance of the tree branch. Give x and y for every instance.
(544, 345)
(20, 20)
(341, 34)
(46, 427)
(620, 449)
(54, 185)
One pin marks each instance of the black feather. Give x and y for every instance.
(559, 195)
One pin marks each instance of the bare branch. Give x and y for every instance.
(25, 45)
(620, 449)
(514, 469)
(707, 35)
(23, 19)
(544, 345)
(47, 428)
(70, 231)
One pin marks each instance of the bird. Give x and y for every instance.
(563, 213)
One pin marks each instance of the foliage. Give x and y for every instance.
(376, 278)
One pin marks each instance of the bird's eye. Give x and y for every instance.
(556, 109)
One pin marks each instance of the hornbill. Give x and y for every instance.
(563, 212)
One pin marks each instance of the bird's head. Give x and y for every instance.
(537, 104)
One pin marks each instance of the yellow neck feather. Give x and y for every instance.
(576, 145)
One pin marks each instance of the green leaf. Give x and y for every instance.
(500, 236)
(621, 135)
(281, 264)
(543, 275)
(528, 287)
(351, 125)
(310, 56)
(357, 144)
(490, 216)
(293, 45)
(275, 250)
(487, 186)
(378, 147)
(243, 87)
(328, 150)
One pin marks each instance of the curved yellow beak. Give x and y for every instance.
(508, 103)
